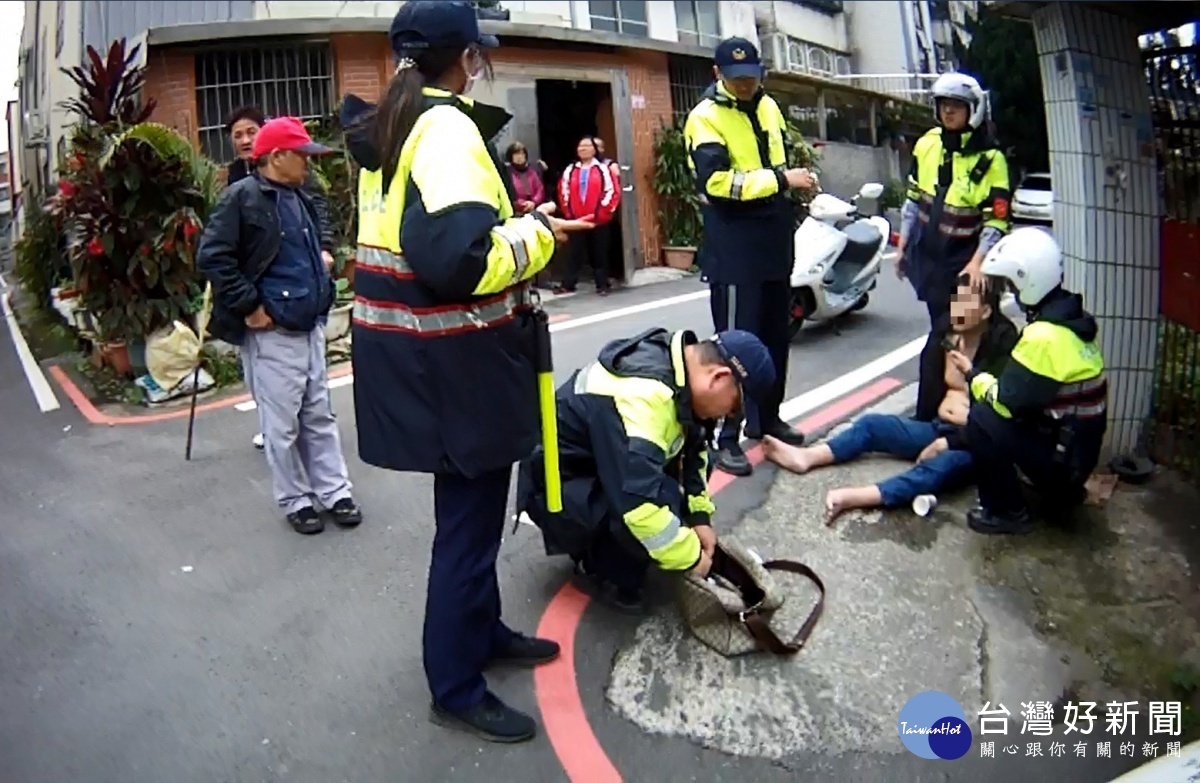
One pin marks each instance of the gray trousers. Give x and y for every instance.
(285, 372)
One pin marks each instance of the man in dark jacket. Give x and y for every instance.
(936, 437)
(633, 431)
(242, 126)
(271, 292)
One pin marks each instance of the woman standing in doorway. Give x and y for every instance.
(526, 179)
(588, 193)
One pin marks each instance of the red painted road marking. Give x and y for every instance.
(555, 684)
(95, 416)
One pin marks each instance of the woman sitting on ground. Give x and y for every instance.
(934, 436)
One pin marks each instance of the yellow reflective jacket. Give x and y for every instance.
(736, 152)
(631, 453)
(1055, 372)
(444, 380)
(959, 189)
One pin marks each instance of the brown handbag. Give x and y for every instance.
(730, 610)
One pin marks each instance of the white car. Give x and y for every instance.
(1034, 200)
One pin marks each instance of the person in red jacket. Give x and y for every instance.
(587, 192)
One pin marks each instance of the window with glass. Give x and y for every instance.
(698, 22)
(627, 17)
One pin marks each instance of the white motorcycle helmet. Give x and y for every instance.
(1030, 260)
(960, 87)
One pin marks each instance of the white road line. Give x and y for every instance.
(42, 390)
(608, 315)
(821, 396)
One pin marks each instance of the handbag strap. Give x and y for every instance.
(760, 629)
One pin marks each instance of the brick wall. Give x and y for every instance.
(361, 62)
(363, 66)
(171, 81)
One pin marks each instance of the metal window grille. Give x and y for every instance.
(1170, 69)
(294, 79)
(698, 22)
(627, 17)
(688, 78)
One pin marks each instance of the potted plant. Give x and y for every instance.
(338, 176)
(679, 203)
(131, 200)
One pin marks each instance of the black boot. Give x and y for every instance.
(524, 650)
(781, 431)
(731, 459)
(490, 719)
(983, 521)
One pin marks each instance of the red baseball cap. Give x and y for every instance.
(286, 133)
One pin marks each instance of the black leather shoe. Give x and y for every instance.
(732, 459)
(346, 513)
(306, 521)
(781, 431)
(490, 719)
(1017, 523)
(525, 650)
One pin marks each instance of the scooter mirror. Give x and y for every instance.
(871, 190)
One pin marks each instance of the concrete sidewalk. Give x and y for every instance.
(1105, 611)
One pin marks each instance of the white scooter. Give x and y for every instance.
(838, 251)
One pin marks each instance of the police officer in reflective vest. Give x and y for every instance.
(633, 430)
(735, 137)
(443, 366)
(1047, 412)
(958, 194)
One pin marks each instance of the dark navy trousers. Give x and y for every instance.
(462, 606)
(764, 310)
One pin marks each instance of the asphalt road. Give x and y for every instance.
(160, 622)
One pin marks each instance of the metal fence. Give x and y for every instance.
(1175, 102)
(296, 79)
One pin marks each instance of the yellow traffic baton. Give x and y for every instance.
(544, 366)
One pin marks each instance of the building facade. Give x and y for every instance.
(567, 68)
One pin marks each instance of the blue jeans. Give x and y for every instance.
(904, 438)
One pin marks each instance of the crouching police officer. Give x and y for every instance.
(633, 429)
(735, 138)
(958, 194)
(443, 360)
(1047, 412)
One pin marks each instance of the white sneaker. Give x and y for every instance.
(257, 440)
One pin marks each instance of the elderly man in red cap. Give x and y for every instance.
(261, 250)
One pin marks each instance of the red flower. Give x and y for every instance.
(190, 229)
(67, 188)
(169, 245)
(95, 247)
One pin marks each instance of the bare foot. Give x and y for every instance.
(794, 458)
(836, 501)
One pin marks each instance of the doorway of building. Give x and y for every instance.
(567, 111)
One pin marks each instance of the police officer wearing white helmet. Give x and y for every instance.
(1047, 413)
(958, 194)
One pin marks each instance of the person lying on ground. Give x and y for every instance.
(633, 433)
(975, 327)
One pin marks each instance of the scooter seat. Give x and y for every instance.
(864, 236)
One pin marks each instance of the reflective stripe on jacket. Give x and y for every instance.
(1052, 374)
(736, 151)
(958, 194)
(631, 452)
(444, 378)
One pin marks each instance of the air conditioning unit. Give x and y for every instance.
(36, 130)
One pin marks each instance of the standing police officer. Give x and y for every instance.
(736, 139)
(1047, 413)
(958, 193)
(443, 366)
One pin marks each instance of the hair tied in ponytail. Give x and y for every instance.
(404, 64)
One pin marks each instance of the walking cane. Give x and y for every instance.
(201, 328)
